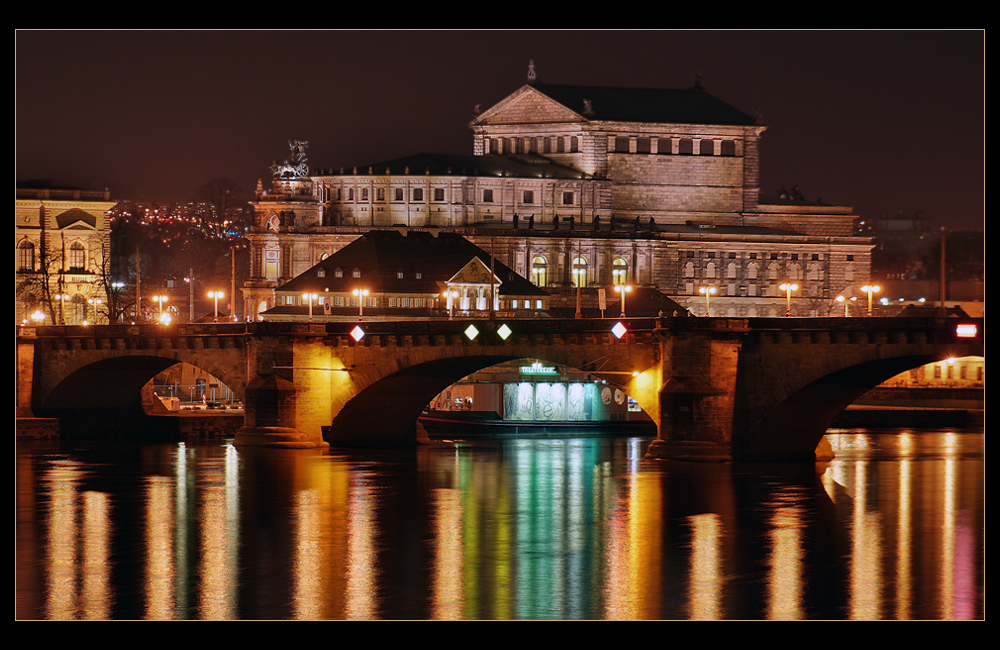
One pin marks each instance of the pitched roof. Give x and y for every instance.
(689, 106)
(382, 255)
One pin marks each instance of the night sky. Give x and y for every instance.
(883, 121)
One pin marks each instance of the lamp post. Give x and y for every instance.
(160, 300)
(310, 297)
(788, 288)
(361, 293)
(708, 291)
(61, 297)
(623, 289)
(95, 302)
(216, 295)
(870, 289)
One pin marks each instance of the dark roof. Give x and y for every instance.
(522, 166)
(690, 106)
(380, 255)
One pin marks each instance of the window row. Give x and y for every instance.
(532, 145)
(437, 194)
(579, 273)
(674, 146)
(752, 271)
(76, 257)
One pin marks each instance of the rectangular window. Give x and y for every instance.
(439, 194)
(529, 197)
(398, 194)
(487, 196)
(567, 198)
(418, 194)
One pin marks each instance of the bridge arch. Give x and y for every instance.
(794, 426)
(387, 408)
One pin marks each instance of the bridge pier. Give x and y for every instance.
(697, 396)
(280, 408)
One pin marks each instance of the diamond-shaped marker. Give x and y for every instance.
(504, 331)
(357, 333)
(471, 332)
(619, 330)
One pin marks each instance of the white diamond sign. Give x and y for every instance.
(471, 332)
(357, 333)
(619, 330)
(504, 331)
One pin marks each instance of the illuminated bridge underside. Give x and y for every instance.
(718, 389)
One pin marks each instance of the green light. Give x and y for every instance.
(538, 369)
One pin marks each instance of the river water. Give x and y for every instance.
(529, 528)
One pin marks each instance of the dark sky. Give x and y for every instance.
(883, 121)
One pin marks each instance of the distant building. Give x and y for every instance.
(61, 238)
(585, 186)
(406, 274)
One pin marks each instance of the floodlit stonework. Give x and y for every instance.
(592, 187)
(61, 238)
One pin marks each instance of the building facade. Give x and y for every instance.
(591, 187)
(61, 239)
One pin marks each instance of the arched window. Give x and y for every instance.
(619, 271)
(77, 256)
(539, 271)
(26, 256)
(579, 272)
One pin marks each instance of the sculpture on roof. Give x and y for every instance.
(531, 71)
(295, 166)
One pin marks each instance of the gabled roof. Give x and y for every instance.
(433, 164)
(381, 256)
(651, 105)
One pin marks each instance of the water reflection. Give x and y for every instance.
(892, 528)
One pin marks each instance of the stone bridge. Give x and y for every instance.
(717, 388)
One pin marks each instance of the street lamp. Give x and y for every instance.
(216, 295)
(361, 293)
(708, 291)
(95, 302)
(450, 296)
(310, 297)
(847, 302)
(870, 289)
(160, 300)
(788, 288)
(623, 289)
(61, 297)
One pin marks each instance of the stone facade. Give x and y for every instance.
(596, 186)
(61, 239)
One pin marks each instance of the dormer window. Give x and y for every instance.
(338, 273)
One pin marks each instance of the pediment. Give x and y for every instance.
(527, 106)
(76, 219)
(79, 225)
(475, 272)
